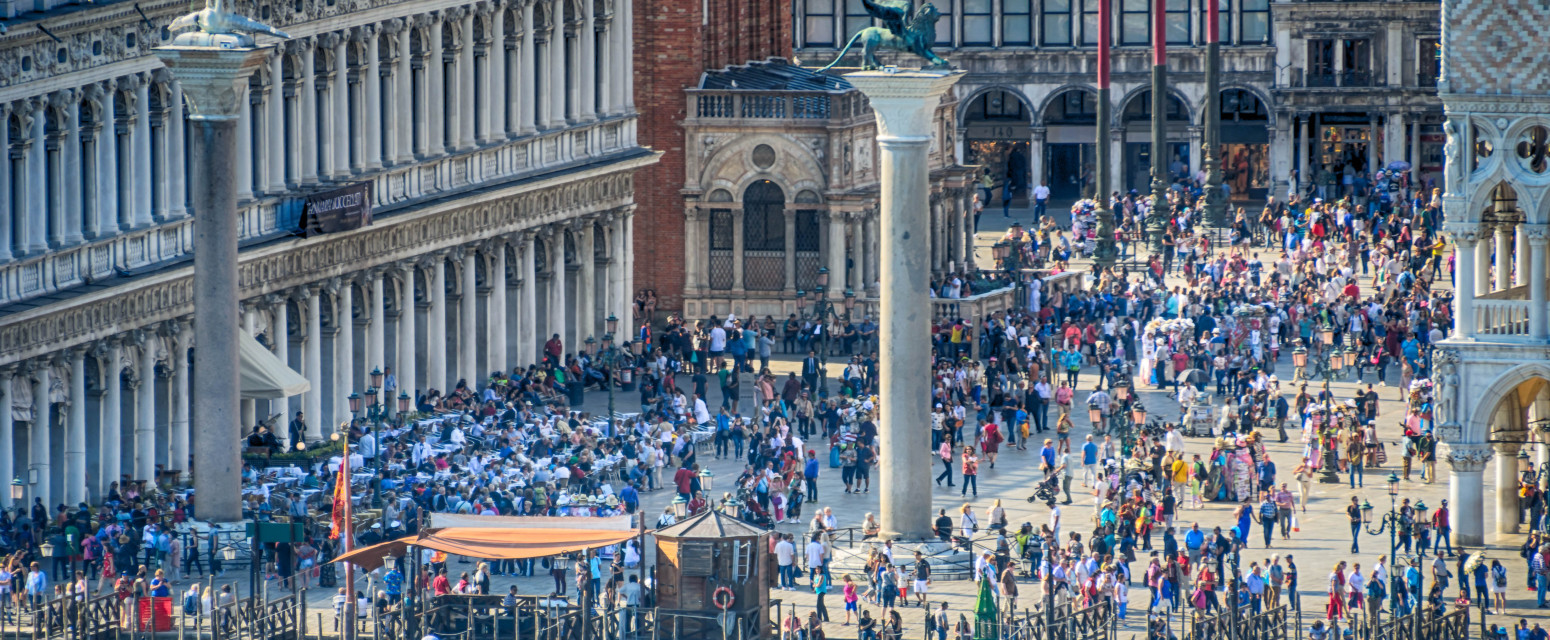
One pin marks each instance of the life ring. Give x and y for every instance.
(723, 598)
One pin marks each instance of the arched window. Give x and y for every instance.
(764, 237)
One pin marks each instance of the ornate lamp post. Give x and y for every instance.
(1390, 522)
(1157, 218)
(1214, 205)
(1104, 254)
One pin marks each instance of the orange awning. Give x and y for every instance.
(493, 544)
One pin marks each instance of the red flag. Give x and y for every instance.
(341, 497)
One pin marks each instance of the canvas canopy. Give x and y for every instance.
(494, 544)
(263, 375)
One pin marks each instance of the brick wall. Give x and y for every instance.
(675, 42)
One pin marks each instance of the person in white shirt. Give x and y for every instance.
(1040, 200)
(785, 556)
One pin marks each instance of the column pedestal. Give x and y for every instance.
(213, 71)
(904, 103)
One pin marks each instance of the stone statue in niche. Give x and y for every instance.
(905, 28)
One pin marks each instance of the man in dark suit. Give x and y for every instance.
(298, 429)
(811, 370)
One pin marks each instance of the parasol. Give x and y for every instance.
(1193, 377)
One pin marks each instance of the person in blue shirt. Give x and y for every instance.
(630, 497)
(1047, 454)
(810, 475)
(1193, 539)
(1089, 460)
(1267, 474)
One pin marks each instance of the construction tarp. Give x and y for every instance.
(491, 544)
(263, 375)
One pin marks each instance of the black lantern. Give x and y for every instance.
(801, 300)
(1366, 512)
(1393, 484)
(18, 489)
(376, 377)
(823, 277)
(707, 480)
(680, 507)
(355, 402)
(612, 322)
(371, 397)
(850, 300)
(403, 401)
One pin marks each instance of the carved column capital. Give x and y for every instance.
(392, 27)
(1464, 233)
(1536, 233)
(1467, 457)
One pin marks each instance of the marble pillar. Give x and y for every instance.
(110, 435)
(1502, 275)
(75, 434)
(307, 137)
(498, 322)
(904, 103)
(1507, 514)
(376, 330)
(586, 289)
(312, 364)
(407, 342)
(344, 349)
(1465, 238)
(436, 327)
(527, 303)
(1520, 255)
(38, 437)
(435, 70)
(557, 322)
(1466, 490)
(280, 341)
(468, 332)
(370, 124)
(274, 123)
(145, 408)
(465, 85)
(403, 98)
(1537, 236)
(8, 456)
(178, 429)
(836, 255)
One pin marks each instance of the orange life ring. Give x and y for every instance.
(723, 598)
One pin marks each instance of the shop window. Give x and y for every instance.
(1057, 23)
(1176, 15)
(1427, 62)
(1135, 22)
(1253, 22)
(976, 23)
(1017, 22)
(819, 23)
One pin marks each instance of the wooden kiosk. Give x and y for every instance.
(700, 562)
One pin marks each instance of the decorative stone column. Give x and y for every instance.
(145, 407)
(527, 301)
(75, 434)
(1502, 277)
(1466, 490)
(1507, 514)
(1537, 236)
(1465, 236)
(181, 339)
(495, 309)
(213, 70)
(110, 359)
(468, 338)
(436, 327)
(376, 334)
(904, 103)
(312, 363)
(8, 455)
(407, 340)
(38, 438)
(344, 348)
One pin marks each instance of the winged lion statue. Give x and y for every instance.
(905, 28)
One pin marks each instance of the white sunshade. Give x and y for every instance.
(264, 376)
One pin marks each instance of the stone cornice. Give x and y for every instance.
(436, 226)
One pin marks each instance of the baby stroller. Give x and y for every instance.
(1046, 490)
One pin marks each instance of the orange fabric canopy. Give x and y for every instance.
(494, 544)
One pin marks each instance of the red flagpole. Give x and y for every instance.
(349, 537)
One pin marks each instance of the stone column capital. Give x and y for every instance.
(1467, 457)
(1537, 234)
(171, 328)
(392, 27)
(276, 299)
(64, 98)
(1464, 233)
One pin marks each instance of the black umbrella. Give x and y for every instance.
(1193, 376)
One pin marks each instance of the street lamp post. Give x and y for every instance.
(1390, 522)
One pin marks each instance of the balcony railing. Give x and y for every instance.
(711, 104)
(1501, 317)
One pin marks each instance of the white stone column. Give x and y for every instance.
(8, 454)
(468, 336)
(904, 103)
(111, 433)
(5, 214)
(621, 303)
(585, 64)
(557, 321)
(308, 138)
(465, 83)
(586, 289)
(494, 112)
(408, 381)
(628, 14)
(312, 354)
(344, 349)
(1507, 515)
(1502, 274)
(371, 124)
(555, 58)
(527, 327)
(274, 121)
(526, 77)
(142, 166)
(339, 109)
(36, 211)
(436, 327)
(1466, 490)
(1536, 235)
(250, 329)
(38, 437)
(177, 203)
(435, 69)
(72, 170)
(403, 97)
(837, 254)
(107, 167)
(1519, 255)
(244, 151)
(1483, 258)
(178, 430)
(145, 408)
(498, 322)
(1465, 237)
(75, 434)
(376, 330)
(629, 262)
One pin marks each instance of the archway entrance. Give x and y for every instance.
(996, 135)
(1245, 147)
(1071, 127)
(1137, 121)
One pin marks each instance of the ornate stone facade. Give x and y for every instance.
(502, 214)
